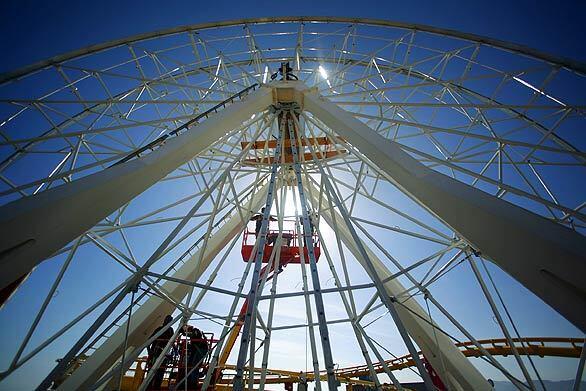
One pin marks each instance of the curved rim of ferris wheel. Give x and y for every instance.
(468, 211)
(537, 264)
(573, 65)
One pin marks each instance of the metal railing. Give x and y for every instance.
(161, 139)
(110, 329)
(535, 346)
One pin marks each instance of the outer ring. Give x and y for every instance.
(572, 65)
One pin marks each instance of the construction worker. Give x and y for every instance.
(312, 220)
(155, 349)
(188, 332)
(199, 349)
(258, 219)
(302, 382)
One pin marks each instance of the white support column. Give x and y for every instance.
(463, 374)
(33, 228)
(547, 258)
(150, 315)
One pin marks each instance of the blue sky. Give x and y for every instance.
(33, 31)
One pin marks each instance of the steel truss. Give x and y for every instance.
(424, 152)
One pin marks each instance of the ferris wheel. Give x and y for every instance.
(332, 201)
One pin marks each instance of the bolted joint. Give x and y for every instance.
(134, 288)
(133, 285)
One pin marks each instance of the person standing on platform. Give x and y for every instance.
(312, 221)
(258, 219)
(155, 349)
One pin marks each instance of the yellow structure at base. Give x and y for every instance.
(535, 346)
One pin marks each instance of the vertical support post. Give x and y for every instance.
(359, 331)
(121, 376)
(308, 313)
(308, 242)
(580, 370)
(276, 267)
(254, 285)
(385, 298)
(501, 323)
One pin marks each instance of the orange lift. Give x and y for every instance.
(177, 365)
(290, 249)
(289, 253)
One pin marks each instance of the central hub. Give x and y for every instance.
(289, 91)
(288, 98)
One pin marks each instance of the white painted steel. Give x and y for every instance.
(465, 375)
(41, 224)
(429, 101)
(547, 258)
(150, 315)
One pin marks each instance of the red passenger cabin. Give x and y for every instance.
(290, 251)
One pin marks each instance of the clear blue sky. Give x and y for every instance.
(35, 30)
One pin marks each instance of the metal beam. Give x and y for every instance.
(308, 242)
(463, 372)
(575, 66)
(255, 286)
(150, 315)
(545, 257)
(33, 228)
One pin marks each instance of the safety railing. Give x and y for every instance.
(160, 140)
(289, 238)
(534, 346)
(108, 331)
(177, 364)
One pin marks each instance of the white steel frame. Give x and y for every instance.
(398, 102)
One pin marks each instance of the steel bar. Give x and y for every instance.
(550, 266)
(501, 323)
(275, 267)
(308, 309)
(26, 243)
(308, 240)
(358, 330)
(252, 294)
(580, 370)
